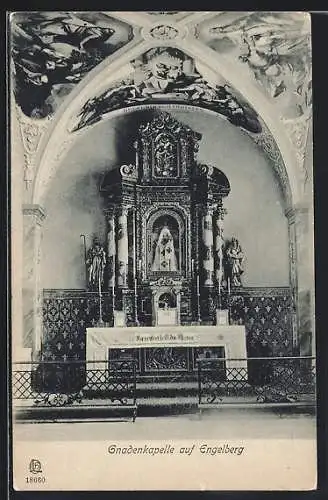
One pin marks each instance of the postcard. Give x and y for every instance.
(162, 251)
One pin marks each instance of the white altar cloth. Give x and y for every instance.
(231, 337)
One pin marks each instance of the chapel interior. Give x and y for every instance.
(175, 195)
(160, 233)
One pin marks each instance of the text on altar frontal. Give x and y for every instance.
(169, 337)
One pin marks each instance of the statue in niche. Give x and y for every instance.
(167, 301)
(165, 258)
(234, 262)
(96, 261)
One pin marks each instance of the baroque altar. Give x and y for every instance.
(165, 262)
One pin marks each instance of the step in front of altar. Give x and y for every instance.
(162, 387)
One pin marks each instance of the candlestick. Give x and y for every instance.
(228, 304)
(100, 322)
(82, 236)
(198, 299)
(135, 303)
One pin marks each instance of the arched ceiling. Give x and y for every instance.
(71, 70)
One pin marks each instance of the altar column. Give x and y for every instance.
(208, 261)
(122, 248)
(207, 291)
(218, 243)
(301, 277)
(33, 216)
(111, 249)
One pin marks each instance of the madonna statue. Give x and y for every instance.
(164, 256)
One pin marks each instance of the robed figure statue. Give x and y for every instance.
(96, 261)
(234, 262)
(164, 256)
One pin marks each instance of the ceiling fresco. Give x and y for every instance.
(52, 51)
(273, 47)
(164, 75)
(251, 68)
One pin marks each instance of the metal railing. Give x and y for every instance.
(282, 380)
(63, 383)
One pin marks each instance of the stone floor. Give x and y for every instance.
(213, 424)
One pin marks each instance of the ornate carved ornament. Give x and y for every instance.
(164, 196)
(218, 184)
(206, 170)
(31, 133)
(165, 122)
(297, 131)
(129, 172)
(162, 208)
(165, 281)
(163, 32)
(35, 211)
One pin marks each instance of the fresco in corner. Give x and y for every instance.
(53, 51)
(274, 48)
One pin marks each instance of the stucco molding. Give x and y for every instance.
(35, 211)
(31, 132)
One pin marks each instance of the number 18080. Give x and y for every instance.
(35, 479)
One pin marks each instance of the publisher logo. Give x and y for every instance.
(35, 466)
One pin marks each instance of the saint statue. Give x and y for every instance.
(234, 260)
(96, 261)
(164, 257)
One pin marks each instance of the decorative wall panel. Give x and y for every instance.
(266, 313)
(268, 321)
(66, 315)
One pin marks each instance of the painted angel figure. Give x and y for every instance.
(52, 51)
(164, 73)
(278, 54)
(276, 48)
